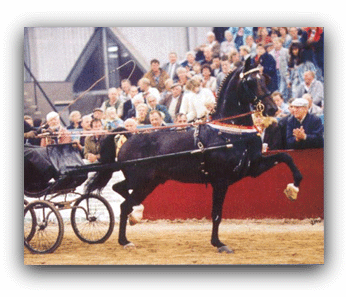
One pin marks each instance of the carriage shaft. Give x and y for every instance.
(119, 165)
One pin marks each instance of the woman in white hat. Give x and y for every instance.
(54, 126)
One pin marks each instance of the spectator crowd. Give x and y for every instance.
(290, 58)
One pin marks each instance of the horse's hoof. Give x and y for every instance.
(130, 245)
(225, 249)
(291, 192)
(136, 215)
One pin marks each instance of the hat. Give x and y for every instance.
(300, 102)
(98, 109)
(51, 115)
(175, 85)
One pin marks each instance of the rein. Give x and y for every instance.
(233, 117)
(259, 109)
(103, 132)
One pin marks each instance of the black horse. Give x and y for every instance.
(222, 154)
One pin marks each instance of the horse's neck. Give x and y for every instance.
(230, 102)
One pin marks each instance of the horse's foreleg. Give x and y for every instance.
(267, 162)
(219, 193)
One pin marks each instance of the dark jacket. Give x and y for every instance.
(283, 128)
(272, 136)
(186, 63)
(269, 69)
(72, 127)
(93, 145)
(163, 109)
(313, 128)
(127, 106)
(175, 67)
(33, 141)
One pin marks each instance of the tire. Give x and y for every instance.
(92, 219)
(30, 223)
(49, 227)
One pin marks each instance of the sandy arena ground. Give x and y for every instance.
(182, 242)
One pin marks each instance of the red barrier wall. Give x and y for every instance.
(250, 198)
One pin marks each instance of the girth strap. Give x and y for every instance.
(199, 144)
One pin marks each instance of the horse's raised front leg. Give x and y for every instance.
(267, 162)
(219, 193)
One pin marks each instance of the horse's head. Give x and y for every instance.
(253, 90)
(241, 88)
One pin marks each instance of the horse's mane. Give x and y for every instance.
(226, 79)
(227, 92)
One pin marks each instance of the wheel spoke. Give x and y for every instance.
(48, 227)
(92, 219)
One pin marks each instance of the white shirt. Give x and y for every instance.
(211, 83)
(172, 106)
(194, 105)
(171, 69)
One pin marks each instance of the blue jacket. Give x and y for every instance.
(240, 40)
(314, 131)
(269, 69)
(162, 108)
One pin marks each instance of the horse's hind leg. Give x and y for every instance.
(125, 209)
(268, 162)
(131, 199)
(121, 188)
(219, 193)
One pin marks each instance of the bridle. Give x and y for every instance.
(242, 75)
(250, 94)
(257, 101)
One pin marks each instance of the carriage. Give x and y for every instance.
(56, 171)
(220, 153)
(52, 176)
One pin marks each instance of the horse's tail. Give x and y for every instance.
(107, 152)
(98, 181)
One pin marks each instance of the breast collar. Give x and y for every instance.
(234, 129)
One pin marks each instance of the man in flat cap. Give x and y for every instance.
(98, 113)
(304, 130)
(173, 100)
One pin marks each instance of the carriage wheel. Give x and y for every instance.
(49, 227)
(30, 222)
(92, 219)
